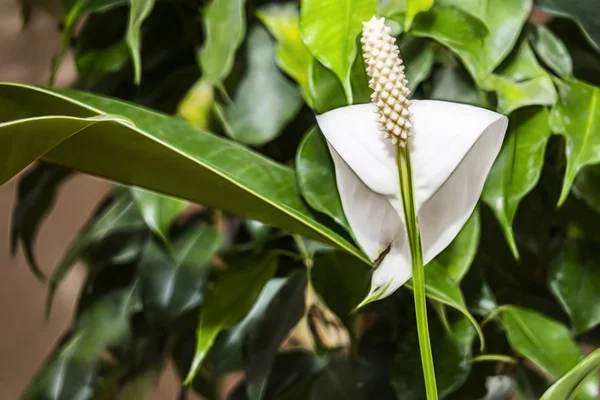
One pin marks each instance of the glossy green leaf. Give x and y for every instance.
(459, 255)
(225, 26)
(577, 118)
(325, 89)
(329, 30)
(586, 186)
(585, 13)
(481, 43)
(551, 50)
(316, 177)
(160, 153)
(258, 122)
(197, 105)
(159, 211)
(546, 343)
(454, 84)
(120, 218)
(418, 57)
(172, 285)
(262, 342)
(574, 279)
(139, 11)
(452, 355)
(342, 282)
(71, 373)
(93, 64)
(413, 7)
(522, 82)
(36, 194)
(566, 386)
(477, 8)
(292, 55)
(518, 167)
(228, 301)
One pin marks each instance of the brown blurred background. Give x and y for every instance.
(25, 336)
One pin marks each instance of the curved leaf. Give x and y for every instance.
(258, 122)
(566, 386)
(552, 51)
(228, 302)
(413, 7)
(518, 167)
(139, 11)
(577, 118)
(575, 282)
(546, 343)
(159, 153)
(225, 25)
(585, 13)
(159, 211)
(329, 30)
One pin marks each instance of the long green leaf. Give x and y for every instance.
(584, 13)
(577, 118)
(566, 386)
(518, 167)
(139, 11)
(329, 29)
(159, 153)
(552, 51)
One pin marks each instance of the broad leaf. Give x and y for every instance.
(521, 82)
(546, 343)
(159, 211)
(284, 311)
(575, 282)
(36, 194)
(225, 26)
(316, 177)
(342, 282)
(292, 55)
(139, 11)
(552, 51)
(418, 56)
(330, 28)
(325, 89)
(170, 286)
(459, 255)
(577, 118)
(160, 153)
(413, 7)
(518, 167)
(228, 301)
(451, 355)
(566, 386)
(258, 122)
(585, 13)
(454, 84)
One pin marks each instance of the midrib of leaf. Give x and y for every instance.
(203, 162)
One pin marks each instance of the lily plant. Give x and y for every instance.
(409, 174)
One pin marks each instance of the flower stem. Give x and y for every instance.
(414, 239)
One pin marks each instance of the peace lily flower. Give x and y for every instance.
(451, 147)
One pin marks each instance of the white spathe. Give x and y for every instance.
(452, 151)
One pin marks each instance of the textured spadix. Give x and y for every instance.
(452, 149)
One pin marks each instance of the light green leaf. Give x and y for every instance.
(481, 51)
(566, 386)
(522, 82)
(292, 55)
(551, 50)
(459, 255)
(478, 8)
(577, 118)
(316, 177)
(159, 211)
(258, 122)
(171, 285)
(574, 279)
(546, 343)
(160, 153)
(584, 13)
(224, 26)
(329, 30)
(413, 7)
(139, 11)
(518, 167)
(228, 302)
(197, 105)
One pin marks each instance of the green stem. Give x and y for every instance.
(416, 254)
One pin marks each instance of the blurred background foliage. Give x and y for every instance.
(219, 294)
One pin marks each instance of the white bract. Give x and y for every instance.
(452, 148)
